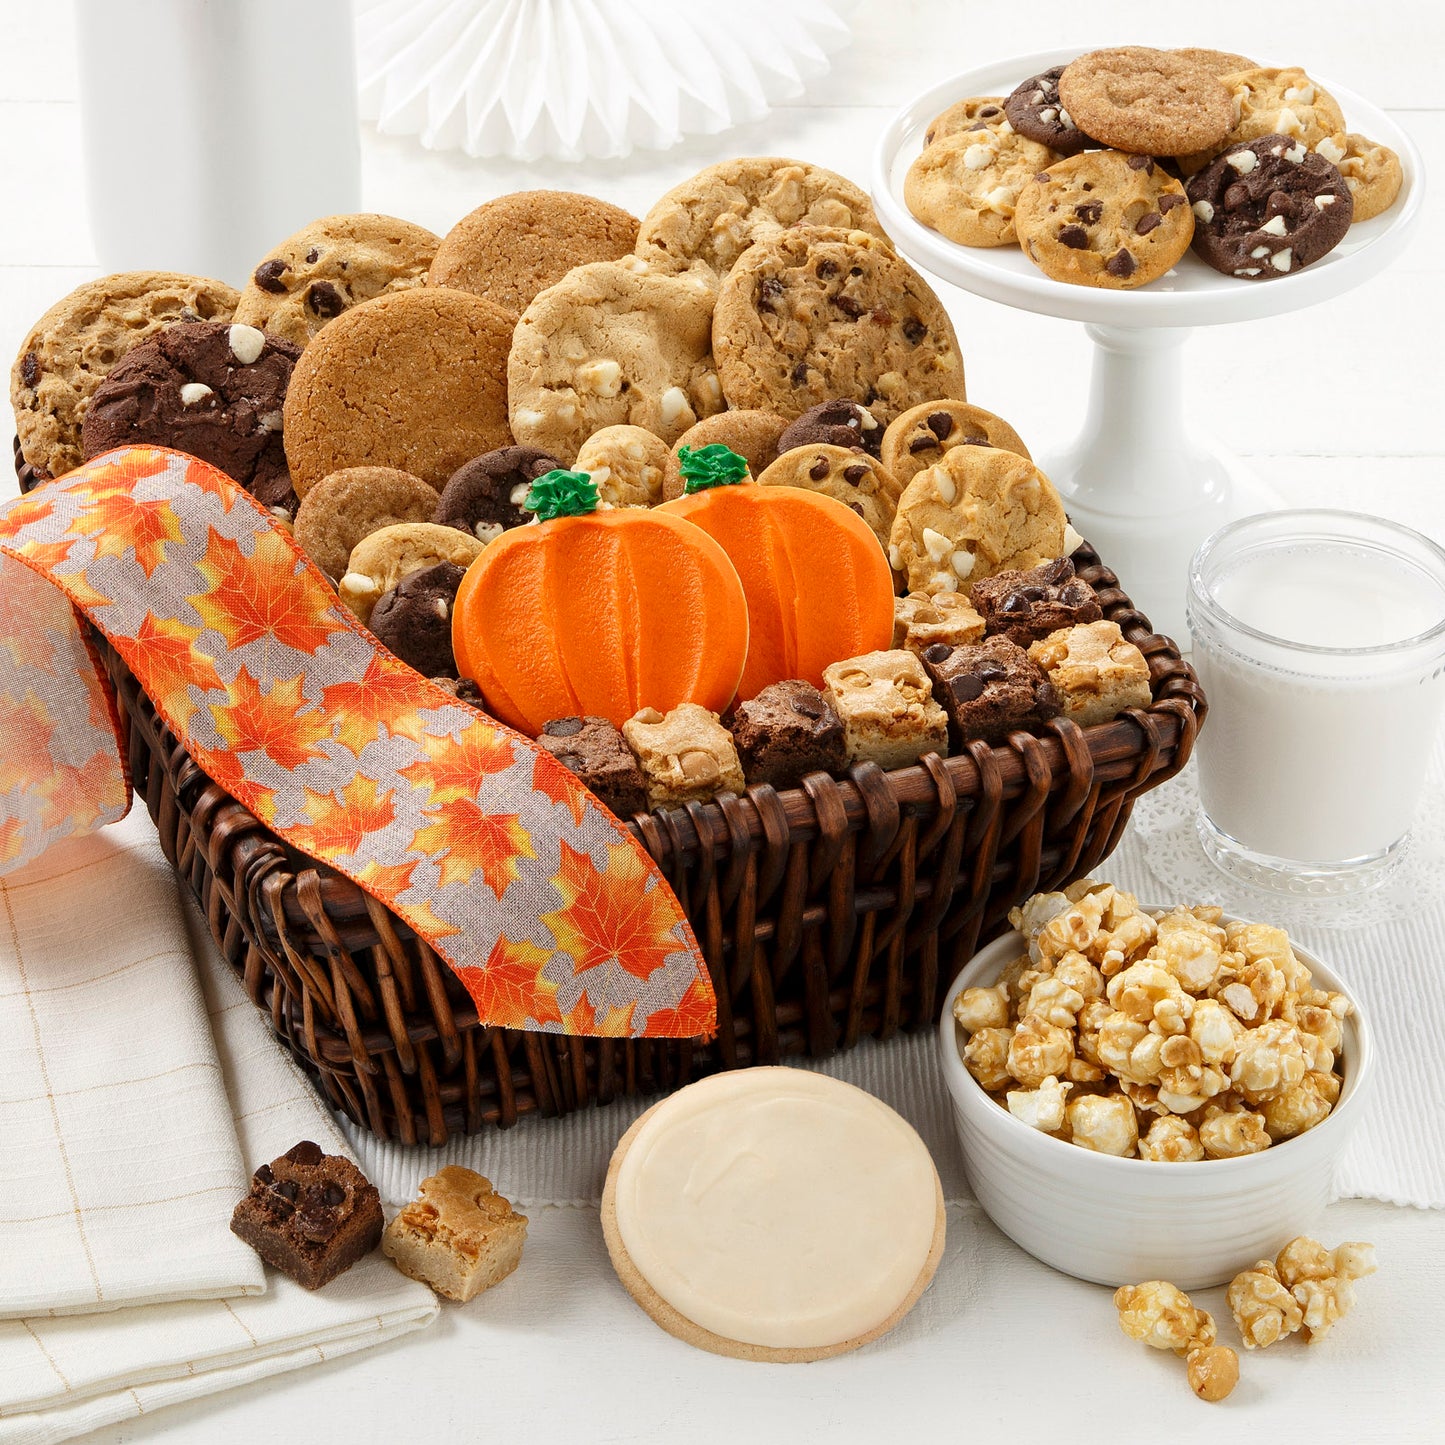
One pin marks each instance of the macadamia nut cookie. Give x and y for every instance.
(965, 186)
(380, 561)
(1372, 172)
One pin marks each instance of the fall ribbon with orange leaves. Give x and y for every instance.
(552, 915)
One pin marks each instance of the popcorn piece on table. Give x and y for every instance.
(1163, 1317)
(686, 755)
(1095, 671)
(460, 1236)
(1213, 1372)
(887, 708)
(921, 621)
(1322, 1280)
(1262, 1306)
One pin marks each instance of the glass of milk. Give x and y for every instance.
(1319, 637)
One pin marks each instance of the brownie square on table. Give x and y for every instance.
(1026, 605)
(787, 731)
(989, 689)
(593, 749)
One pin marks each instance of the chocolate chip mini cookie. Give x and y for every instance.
(974, 112)
(1036, 113)
(1150, 102)
(416, 380)
(836, 423)
(351, 504)
(815, 314)
(329, 266)
(1104, 219)
(73, 347)
(965, 186)
(627, 465)
(212, 389)
(978, 511)
(714, 216)
(752, 434)
(380, 561)
(1371, 171)
(511, 248)
(921, 435)
(1267, 208)
(612, 343)
(484, 496)
(851, 477)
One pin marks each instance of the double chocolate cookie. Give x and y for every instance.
(414, 619)
(836, 423)
(485, 495)
(1036, 113)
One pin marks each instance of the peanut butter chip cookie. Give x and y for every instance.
(714, 216)
(610, 344)
(1104, 219)
(1151, 102)
(979, 511)
(1273, 102)
(380, 561)
(330, 266)
(1036, 113)
(919, 437)
(851, 477)
(1371, 171)
(511, 248)
(752, 434)
(815, 314)
(626, 463)
(351, 504)
(974, 112)
(416, 380)
(966, 185)
(73, 347)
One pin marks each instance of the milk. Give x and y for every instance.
(1323, 711)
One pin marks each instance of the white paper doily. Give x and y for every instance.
(573, 79)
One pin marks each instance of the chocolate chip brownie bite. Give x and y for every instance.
(989, 689)
(1027, 605)
(786, 732)
(594, 749)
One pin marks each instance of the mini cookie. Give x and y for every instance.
(1268, 207)
(627, 465)
(329, 266)
(921, 435)
(1035, 112)
(837, 423)
(752, 434)
(510, 249)
(975, 112)
(484, 496)
(787, 731)
(73, 347)
(965, 186)
(414, 619)
(978, 511)
(1151, 102)
(851, 477)
(609, 344)
(380, 561)
(1216, 62)
(1096, 672)
(687, 755)
(714, 216)
(886, 705)
(921, 621)
(416, 380)
(212, 389)
(351, 504)
(989, 689)
(1282, 102)
(815, 314)
(1104, 219)
(593, 749)
(1025, 606)
(1372, 172)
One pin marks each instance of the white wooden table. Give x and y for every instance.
(1340, 406)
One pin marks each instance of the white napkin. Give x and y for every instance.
(62, 1376)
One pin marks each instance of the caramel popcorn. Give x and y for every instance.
(1263, 1308)
(1213, 1372)
(1163, 1317)
(1182, 1037)
(1305, 1288)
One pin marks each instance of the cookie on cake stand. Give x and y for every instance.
(1139, 481)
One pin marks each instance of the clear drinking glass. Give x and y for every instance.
(1319, 637)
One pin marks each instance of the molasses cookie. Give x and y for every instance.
(353, 503)
(752, 434)
(1216, 62)
(851, 477)
(921, 435)
(484, 496)
(966, 185)
(1150, 102)
(1036, 113)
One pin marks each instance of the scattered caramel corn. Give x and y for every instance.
(1213, 1372)
(1162, 1315)
(1305, 1288)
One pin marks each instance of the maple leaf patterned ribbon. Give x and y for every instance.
(552, 915)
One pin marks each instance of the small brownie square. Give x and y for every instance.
(686, 756)
(1096, 671)
(593, 749)
(920, 620)
(310, 1215)
(887, 707)
(989, 689)
(1026, 606)
(787, 731)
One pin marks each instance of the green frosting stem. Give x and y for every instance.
(710, 466)
(561, 494)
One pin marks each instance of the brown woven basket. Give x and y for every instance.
(829, 913)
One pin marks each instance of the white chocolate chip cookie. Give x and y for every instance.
(627, 464)
(965, 186)
(1372, 171)
(380, 561)
(1274, 102)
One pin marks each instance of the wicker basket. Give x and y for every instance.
(829, 913)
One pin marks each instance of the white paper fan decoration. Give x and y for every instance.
(572, 79)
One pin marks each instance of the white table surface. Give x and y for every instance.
(1340, 406)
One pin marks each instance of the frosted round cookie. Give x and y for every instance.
(773, 1214)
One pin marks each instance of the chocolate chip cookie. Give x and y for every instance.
(626, 463)
(921, 435)
(851, 477)
(380, 561)
(212, 389)
(752, 434)
(965, 186)
(353, 503)
(836, 423)
(1104, 218)
(816, 313)
(414, 619)
(1266, 208)
(610, 344)
(415, 380)
(511, 248)
(484, 496)
(714, 216)
(1372, 171)
(330, 266)
(74, 345)
(1036, 113)
(974, 112)
(1150, 102)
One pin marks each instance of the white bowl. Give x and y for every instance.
(1119, 1221)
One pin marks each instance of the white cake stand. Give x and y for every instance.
(1140, 482)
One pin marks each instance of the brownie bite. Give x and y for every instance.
(787, 731)
(989, 689)
(887, 708)
(686, 756)
(1027, 605)
(310, 1215)
(593, 749)
(1095, 670)
(920, 620)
